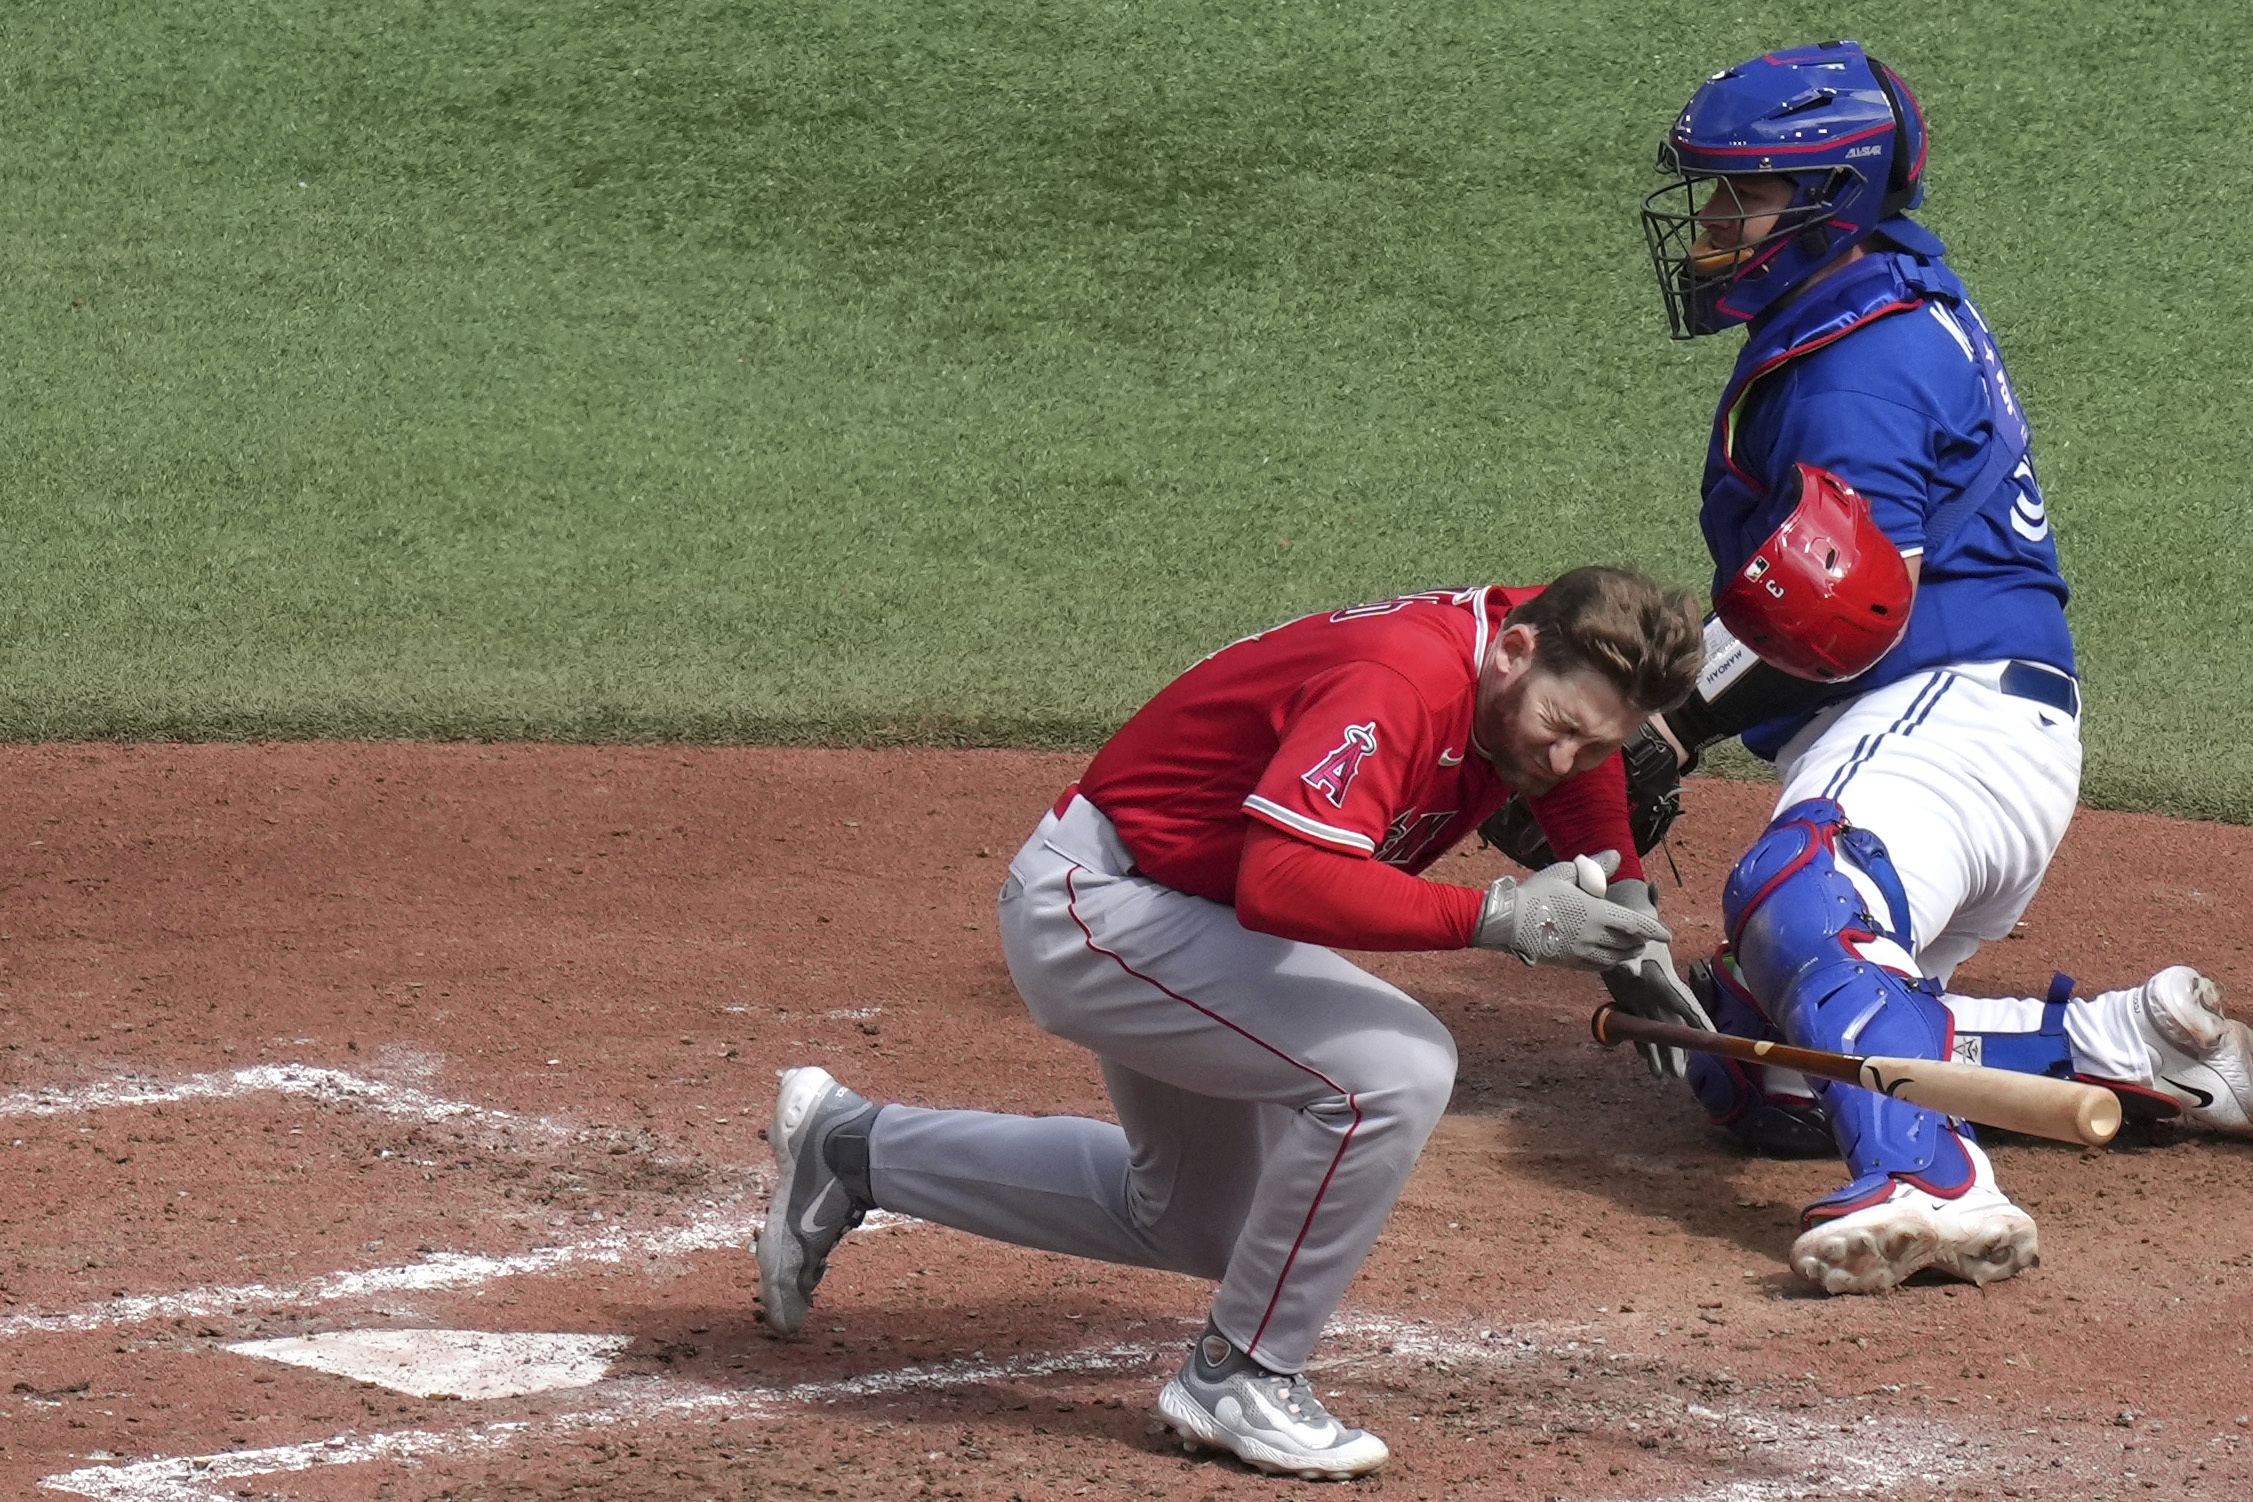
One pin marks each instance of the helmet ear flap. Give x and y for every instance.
(1903, 182)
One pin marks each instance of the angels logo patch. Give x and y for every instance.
(1334, 773)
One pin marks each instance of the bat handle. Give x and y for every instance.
(1600, 1025)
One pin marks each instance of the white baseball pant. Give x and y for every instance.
(1272, 1097)
(1971, 789)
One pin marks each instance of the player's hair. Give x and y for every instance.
(1646, 640)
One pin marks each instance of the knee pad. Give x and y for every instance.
(1745, 1099)
(1816, 917)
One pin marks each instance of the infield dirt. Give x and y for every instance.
(314, 1038)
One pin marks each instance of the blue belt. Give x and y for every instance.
(2043, 684)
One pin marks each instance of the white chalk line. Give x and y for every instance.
(334, 1086)
(196, 1478)
(1870, 1462)
(324, 1086)
(967, 1372)
(435, 1272)
(1882, 1452)
(1875, 1458)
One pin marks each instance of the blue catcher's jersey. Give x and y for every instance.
(1884, 374)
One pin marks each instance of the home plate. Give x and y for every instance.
(450, 1363)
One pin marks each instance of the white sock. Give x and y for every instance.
(2107, 1040)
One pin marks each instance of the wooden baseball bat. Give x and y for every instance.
(2035, 1104)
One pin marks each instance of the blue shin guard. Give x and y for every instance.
(1826, 958)
(1747, 1100)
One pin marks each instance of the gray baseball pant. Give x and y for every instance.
(1271, 1096)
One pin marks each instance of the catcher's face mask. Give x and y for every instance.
(1711, 233)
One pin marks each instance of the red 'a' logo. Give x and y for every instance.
(1333, 774)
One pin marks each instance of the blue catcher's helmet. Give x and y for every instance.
(1829, 123)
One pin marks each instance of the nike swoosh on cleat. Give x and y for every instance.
(809, 1223)
(2204, 1099)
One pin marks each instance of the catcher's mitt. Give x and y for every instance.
(1654, 802)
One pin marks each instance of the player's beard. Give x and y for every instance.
(1523, 777)
(1498, 741)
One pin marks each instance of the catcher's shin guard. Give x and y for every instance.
(1772, 1112)
(1813, 914)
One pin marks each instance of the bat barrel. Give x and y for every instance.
(2063, 1110)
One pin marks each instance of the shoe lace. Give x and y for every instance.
(1289, 1391)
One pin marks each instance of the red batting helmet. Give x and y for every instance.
(1828, 594)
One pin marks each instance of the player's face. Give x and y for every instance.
(1537, 727)
(1738, 214)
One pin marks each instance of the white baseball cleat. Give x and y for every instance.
(1979, 1236)
(1271, 1422)
(2199, 1056)
(812, 1209)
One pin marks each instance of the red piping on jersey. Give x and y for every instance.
(1072, 904)
(1727, 420)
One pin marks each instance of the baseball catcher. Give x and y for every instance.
(1890, 630)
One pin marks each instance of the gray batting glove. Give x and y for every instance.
(1557, 916)
(1648, 986)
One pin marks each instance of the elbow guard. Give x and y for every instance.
(1737, 690)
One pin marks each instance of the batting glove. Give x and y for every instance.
(1647, 985)
(1558, 916)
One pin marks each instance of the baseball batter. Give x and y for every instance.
(1174, 913)
(1922, 796)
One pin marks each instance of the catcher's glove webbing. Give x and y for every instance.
(1654, 802)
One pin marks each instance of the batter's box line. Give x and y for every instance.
(497, 1129)
(1877, 1458)
(1881, 1455)
(311, 1081)
(436, 1272)
(211, 1478)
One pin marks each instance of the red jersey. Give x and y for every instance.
(1350, 730)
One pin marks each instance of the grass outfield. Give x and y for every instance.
(564, 369)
